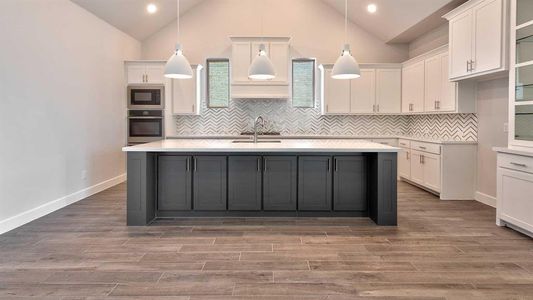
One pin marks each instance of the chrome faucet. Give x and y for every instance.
(261, 121)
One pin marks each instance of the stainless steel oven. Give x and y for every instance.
(145, 126)
(146, 96)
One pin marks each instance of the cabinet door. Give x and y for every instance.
(388, 90)
(448, 91)
(184, 96)
(135, 73)
(279, 55)
(363, 92)
(515, 203)
(417, 170)
(433, 73)
(413, 88)
(240, 61)
(209, 181)
(350, 183)
(488, 26)
(314, 183)
(431, 166)
(461, 40)
(244, 183)
(337, 94)
(279, 182)
(174, 185)
(155, 73)
(404, 163)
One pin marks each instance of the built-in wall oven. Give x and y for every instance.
(147, 96)
(145, 126)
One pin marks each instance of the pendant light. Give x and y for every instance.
(261, 67)
(178, 67)
(346, 67)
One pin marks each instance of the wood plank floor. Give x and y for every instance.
(441, 250)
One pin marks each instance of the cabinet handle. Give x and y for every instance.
(422, 159)
(327, 108)
(374, 108)
(187, 165)
(264, 165)
(335, 164)
(258, 164)
(438, 104)
(194, 164)
(328, 164)
(193, 108)
(518, 165)
(377, 108)
(468, 66)
(407, 155)
(422, 147)
(472, 65)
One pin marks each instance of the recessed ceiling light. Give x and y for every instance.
(372, 8)
(151, 8)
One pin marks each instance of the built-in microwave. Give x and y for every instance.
(146, 96)
(145, 126)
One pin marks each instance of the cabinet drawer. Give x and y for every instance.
(516, 162)
(404, 143)
(426, 147)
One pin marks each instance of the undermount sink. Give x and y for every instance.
(260, 141)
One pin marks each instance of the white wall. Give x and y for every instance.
(317, 30)
(62, 103)
(431, 40)
(492, 101)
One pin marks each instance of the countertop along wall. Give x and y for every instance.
(63, 107)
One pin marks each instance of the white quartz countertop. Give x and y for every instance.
(328, 137)
(227, 145)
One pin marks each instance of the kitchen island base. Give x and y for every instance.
(255, 184)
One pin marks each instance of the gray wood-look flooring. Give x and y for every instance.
(441, 250)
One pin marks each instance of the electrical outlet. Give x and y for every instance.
(84, 174)
(505, 127)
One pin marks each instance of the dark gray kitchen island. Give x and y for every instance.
(217, 178)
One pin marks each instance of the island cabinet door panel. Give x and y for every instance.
(244, 183)
(209, 181)
(174, 185)
(314, 183)
(279, 182)
(349, 183)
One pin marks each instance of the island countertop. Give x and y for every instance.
(217, 145)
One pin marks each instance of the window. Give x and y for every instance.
(218, 82)
(303, 82)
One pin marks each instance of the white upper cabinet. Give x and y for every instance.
(243, 51)
(145, 72)
(478, 38)
(388, 90)
(377, 91)
(427, 89)
(363, 92)
(186, 93)
(413, 88)
(336, 95)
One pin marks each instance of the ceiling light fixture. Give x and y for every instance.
(346, 67)
(261, 67)
(151, 8)
(372, 8)
(178, 67)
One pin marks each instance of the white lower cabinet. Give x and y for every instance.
(448, 170)
(515, 187)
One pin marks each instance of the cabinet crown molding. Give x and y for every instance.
(461, 8)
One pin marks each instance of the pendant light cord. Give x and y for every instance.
(345, 21)
(178, 19)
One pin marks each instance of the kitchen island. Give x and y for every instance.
(238, 178)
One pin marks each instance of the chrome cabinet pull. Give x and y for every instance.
(468, 66)
(472, 65)
(374, 108)
(377, 106)
(193, 108)
(422, 147)
(187, 165)
(258, 164)
(518, 165)
(328, 164)
(264, 165)
(194, 164)
(407, 155)
(335, 164)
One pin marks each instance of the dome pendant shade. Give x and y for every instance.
(261, 67)
(346, 67)
(178, 67)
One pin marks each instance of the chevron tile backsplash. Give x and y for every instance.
(282, 117)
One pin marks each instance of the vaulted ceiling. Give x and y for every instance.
(396, 21)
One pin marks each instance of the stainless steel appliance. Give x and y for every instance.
(145, 126)
(146, 96)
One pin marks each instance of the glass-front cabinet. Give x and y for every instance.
(521, 74)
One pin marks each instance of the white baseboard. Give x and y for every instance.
(40, 211)
(486, 199)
